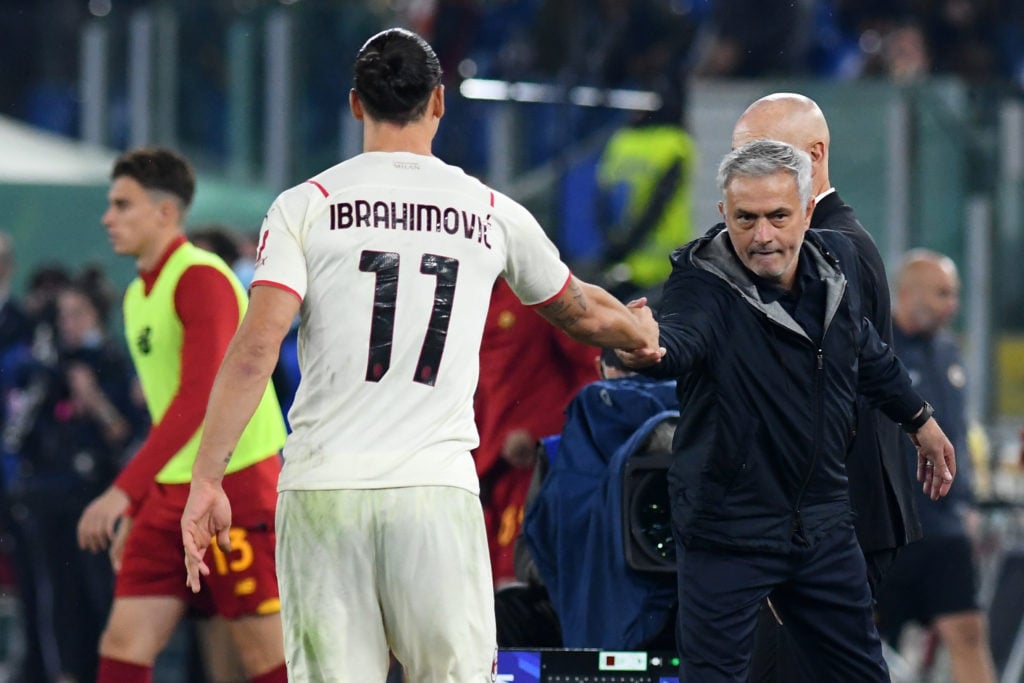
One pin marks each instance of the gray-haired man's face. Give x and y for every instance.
(767, 223)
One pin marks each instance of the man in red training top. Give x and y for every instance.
(529, 371)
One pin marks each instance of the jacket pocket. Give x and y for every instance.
(729, 461)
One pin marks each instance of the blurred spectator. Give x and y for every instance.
(450, 26)
(754, 39)
(15, 335)
(45, 282)
(644, 177)
(219, 239)
(611, 43)
(240, 254)
(961, 37)
(927, 291)
(237, 250)
(245, 265)
(529, 371)
(72, 419)
(15, 325)
(905, 55)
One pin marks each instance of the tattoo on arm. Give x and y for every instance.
(227, 458)
(578, 295)
(566, 313)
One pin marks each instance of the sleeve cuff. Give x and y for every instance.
(902, 409)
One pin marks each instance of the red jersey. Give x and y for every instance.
(529, 372)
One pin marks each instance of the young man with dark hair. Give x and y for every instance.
(179, 315)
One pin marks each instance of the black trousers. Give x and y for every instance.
(777, 657)
(821, 594)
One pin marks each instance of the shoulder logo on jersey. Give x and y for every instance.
(143, 342)
(260, 258)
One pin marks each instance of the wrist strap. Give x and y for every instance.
(916, 423)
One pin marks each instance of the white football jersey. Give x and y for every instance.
(394, 256)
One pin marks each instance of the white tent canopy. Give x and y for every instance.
(30, 155)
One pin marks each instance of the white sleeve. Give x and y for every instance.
(280, 260)
(533, 268)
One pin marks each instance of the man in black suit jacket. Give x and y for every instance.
(881, 492)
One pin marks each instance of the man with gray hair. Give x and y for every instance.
(767, 339)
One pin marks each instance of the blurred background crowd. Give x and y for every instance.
(606, 118)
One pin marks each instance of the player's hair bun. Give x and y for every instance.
(395, 73)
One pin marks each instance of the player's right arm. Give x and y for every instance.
(237, 390)
(589, 314)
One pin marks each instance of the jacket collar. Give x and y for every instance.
(714, 253)
(823, 208)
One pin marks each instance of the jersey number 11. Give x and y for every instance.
(384, 265)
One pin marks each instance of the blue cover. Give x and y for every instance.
(574, 527)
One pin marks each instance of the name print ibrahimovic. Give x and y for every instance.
(409, 216)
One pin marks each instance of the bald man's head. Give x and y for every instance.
(927, 292)
(791, 118)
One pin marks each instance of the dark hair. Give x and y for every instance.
(51, 276)
(219, 239)
(394, 75)
(93, 284)
(158, 168)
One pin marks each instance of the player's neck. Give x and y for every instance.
(152, 254)
(414, 137)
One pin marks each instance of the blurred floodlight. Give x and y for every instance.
(531, 92)
(481, 89)
(99, 8)
(636, 100)
(467, 68)
(583, 96)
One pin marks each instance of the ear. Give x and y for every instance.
(437, 101)
(355, 105)
(816, 151)
(721, 209)
(169, 211)
(810, 210)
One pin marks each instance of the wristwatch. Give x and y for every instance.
(916, 423)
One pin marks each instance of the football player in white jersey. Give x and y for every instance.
(389, 259)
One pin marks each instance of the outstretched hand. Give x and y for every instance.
(651, 352)
(207, 515)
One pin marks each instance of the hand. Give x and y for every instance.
(936, 461)
(116, 550)
(650, 353)
(84, 388)
(207, 515)
(519, 449)
(97, 523)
